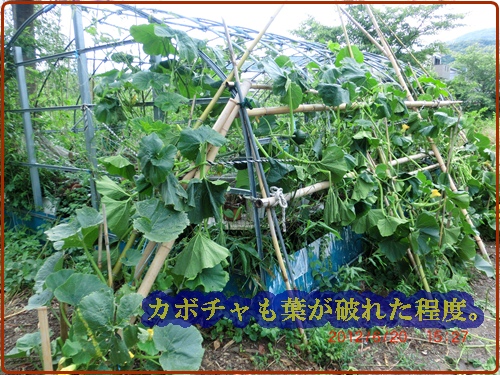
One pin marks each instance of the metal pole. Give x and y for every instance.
(28, 128)
(83, 78)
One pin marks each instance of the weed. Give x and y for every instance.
(24, 255)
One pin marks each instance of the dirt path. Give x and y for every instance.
(417, 353)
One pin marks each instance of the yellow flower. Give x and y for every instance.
(404, 127)
(150, 332)
(435, 193)
(131, 354)
(71, 367)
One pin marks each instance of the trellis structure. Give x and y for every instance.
(90, 61)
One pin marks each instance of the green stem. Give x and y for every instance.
(93, 263)
(130, 242)
(421, 272)
(292, 120)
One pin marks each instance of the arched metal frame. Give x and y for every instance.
(113, 15)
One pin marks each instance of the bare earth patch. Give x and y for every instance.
(417, 353)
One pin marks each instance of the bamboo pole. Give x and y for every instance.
(274, 237)
(155, 267)
(144, 258)
(221, 126)
(165, 247)
(361, 28)
(434, 148)
(219, 92)
(106, 243)
(322, 107)
(212, 150)
(43, 320)
(345, 32)
(99, 248)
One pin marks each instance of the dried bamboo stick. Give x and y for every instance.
(106, 243)
(322, 107)
(308, 190)
(219, 92)
(367, 34)
(43, 320)
(99, 248)
(165, 247)
(345, 32)
(434, 148)
(155, 267)
(144, 258)
(221, 126)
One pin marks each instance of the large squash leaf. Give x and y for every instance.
(156, 159)
(157, 222)
(200, 253)
(206, 198)
(190, 140)
(181, 347)
(78, 286)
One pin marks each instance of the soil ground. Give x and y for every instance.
(417, 353)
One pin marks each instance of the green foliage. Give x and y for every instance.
(410, 24)
(326, 352)
(24, 254)
(474, 84)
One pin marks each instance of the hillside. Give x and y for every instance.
(485, 37)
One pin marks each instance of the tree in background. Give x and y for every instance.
(408, 23)
(475, 85)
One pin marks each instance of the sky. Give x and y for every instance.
(255, 16)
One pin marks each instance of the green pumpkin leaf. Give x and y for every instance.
(450, 235)
(109, 188)
(394, 250)
(170, 101)
(78, 286)
(152, 44)
(40, 299)
(466, 249)
(130, 305)
(389, 224)
(98, 310)
(173, 194)
(200, 253)
(333, 94)
(145, 79)
(65, 235)
(58, 278)
(210, 280)
(334, 161)
(346, 52)
(293, 96)
(118, 215)
(460, 198)
(366, 222)
(428, 225)
(181, 347)
(484, 266)
(118, 165)
(278, 171)
(51, 265)
(206, 198)
(362, 189)
(118, 353)
(156, 159)
(191, 139)
(155, 218)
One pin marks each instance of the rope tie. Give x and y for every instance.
(280, 197)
